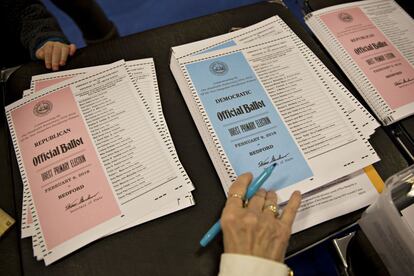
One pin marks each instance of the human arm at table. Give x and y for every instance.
(255, 231)
(239, 265)
(41, 35)
(55, 54)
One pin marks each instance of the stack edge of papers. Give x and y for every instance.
(95, 156)
(259, 96)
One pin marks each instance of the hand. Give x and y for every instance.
(256, 230)
(55, 54)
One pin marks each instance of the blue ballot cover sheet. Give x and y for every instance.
(250, 129)
(218, 47)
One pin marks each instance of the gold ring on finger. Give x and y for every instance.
(271, 207)
(236, 195)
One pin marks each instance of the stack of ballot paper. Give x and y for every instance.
(373, 43)
(95, 156)
(259, 96)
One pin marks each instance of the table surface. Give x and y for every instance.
(169, 245)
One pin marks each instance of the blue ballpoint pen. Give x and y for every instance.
(251, 190)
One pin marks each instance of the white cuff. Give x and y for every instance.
(245, 265)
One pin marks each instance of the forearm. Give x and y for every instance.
(245, 265)
(38, 26)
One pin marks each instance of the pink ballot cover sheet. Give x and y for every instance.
(70, 189)
(389, 72)
(39, 85)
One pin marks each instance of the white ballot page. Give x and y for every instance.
(136, 158)
(139, 167)
(354, 192)
(143, 73)
(372, 41)
(324, 134)
(275, 27)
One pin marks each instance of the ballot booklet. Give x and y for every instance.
(373, 43)
(269, 100)
(95, 156)
(259, 96)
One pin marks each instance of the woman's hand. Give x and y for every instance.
(55, 54)
(256, 229)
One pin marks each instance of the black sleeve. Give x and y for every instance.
(37, 26)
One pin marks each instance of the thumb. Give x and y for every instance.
(40, 53)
